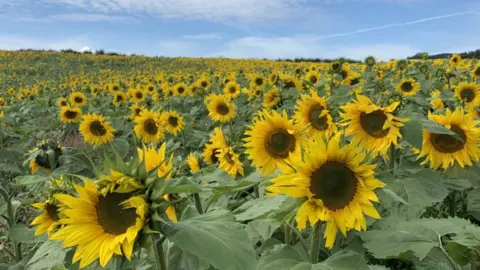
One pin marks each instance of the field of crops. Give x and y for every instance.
(130, 162)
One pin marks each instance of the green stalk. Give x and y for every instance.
(198, 203)
(315, 244)
(287, 234)
(159, 254)
(445, 253)
(300, 237)
(453, 204)
(255, 190)
(391, 161)
(11, 222)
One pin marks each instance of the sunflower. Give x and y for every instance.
(258, 81)
(155, 159)
(337, 184)
(374, 127)
(148, 127)
(273, 78)
(291, 82)
(180, 89)
(436, 102)
(469, 93)
(138, 95)
(229, 162)
(78, 99)
(232, 89)
(221, 109)
(96, 130)
(442, 150)
(204, 83)
(272, 139)
(70, 115)
(344, 72)
(455, 60)
(94, 90)
(312, 115)
(119, 98)
(172, 121)
(11, 92)
(151, 89)
(217, 142)
(193, 163)
(48, 220)
(136, 110)
(114, 87)
(62, 102)
(312, 77)
(271, 98)
(408, 87)
(108, 223)
(476, 72)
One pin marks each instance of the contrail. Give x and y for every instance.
(397, 24)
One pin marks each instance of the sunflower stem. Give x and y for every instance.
(255, 190)
(315, 244)
(159, 255)
(198, 203)
(287, 234)
(391, 161)
(453, 204)
(300, 237)
(11, 222)
(452, 263)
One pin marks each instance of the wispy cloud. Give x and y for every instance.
(392, 25)
(209, 36)
(79, 17)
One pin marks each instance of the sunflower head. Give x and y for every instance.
(338, 187)
(271, 98)
(96, 130)
(119, 98)
(476, 72)
(221, 109)
(48, 220)
(312, 115)
(148, 127)
(273, 78)
(180, 89)
(469, 93)
(312, 77)
(70, 114)
(193, 163)
(78, 99)
(173, 122)
(229, 161)
(408, 87)
(462, 146)
(232, 89)
(272, 139)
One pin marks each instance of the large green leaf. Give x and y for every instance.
(21, 233)
(30, 180)
(280, 257)
(412, 131)
(473, 199)
(48, 255)
(216, 238)
(344, 259)
(179, 259)
(258, 207)
(262, 229)
(419, 236)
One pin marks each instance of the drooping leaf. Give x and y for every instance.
(262, 229)
(48, 255)
(258, 207)
(20, 233)
(344, 259)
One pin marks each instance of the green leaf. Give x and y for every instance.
(457, 184)
(419, 236)
(179, 259)
(473, 199)
(344, 259)
(460, 254)
(280, 257)
(121, 146)
(258, 207)
(394, 196)
(262, 229)
(437, 128)
(183, 185)
(435, 260)
(216, 238)
(21, 233)
(30, 180)
(48, 255)
(412, 132)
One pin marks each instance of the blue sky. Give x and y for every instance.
(244, 28)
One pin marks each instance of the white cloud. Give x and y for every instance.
(243, 10)
(15, 42)
(86, 17)
(292, 47)
(209, 36)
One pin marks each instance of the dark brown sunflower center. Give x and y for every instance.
(290, 84)
(139, 95)
(119, 98)
(173, 121)
(317, 121)
(150, 89)
(447, 143)
(279, 143)
(407, 87)
(52, 211)
(97, 128)
(112, 215)
(137, 111)
(150, 126)
(344, 73)
(222, 109)
(229, 158)
(477, 71)
(115, 88)
(204, 84)
(373, 123)
(213, 156)
(313, 79)
(258, 92)
(181, 90)
(232, 89)
(273, 77)
(335, 184)
(78, 99)
(467, 94)
(455, 59)
(354, 81)
(70, 114)
(258, 81)
(63, 103)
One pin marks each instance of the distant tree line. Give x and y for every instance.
(470, 54)
(315, 60)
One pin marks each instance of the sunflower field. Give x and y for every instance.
(132, 162)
